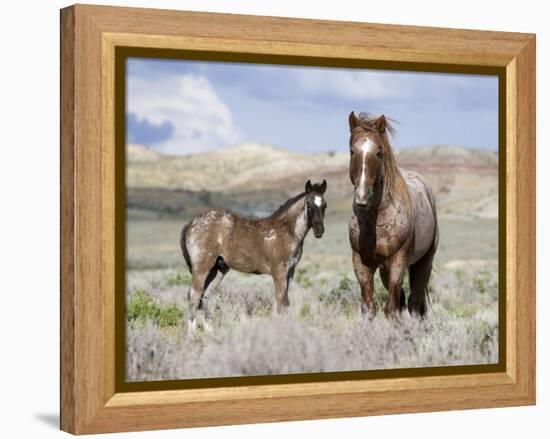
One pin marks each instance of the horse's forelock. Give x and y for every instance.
(317, 187)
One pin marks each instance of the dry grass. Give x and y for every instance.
(322, 331)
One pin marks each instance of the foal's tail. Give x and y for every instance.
(184, 248)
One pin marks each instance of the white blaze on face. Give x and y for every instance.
(318, 200)
(366, 147)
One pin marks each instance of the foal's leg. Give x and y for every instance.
(281, 278)
(365, 277)
(203, 275)
(396, 270)
(210, 285)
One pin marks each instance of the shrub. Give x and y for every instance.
(340, 293)
(178, 279)
(305, 311)
(484, 282)
(323, 329)
(142, 307)
(302, 279)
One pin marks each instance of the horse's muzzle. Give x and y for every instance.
(362, 198)
(318, 231)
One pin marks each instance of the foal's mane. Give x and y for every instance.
(394, 184)
(287, 205)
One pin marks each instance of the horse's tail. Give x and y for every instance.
(421, 270)
(433, 248)
(183, 246)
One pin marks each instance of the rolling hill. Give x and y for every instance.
(465, 180)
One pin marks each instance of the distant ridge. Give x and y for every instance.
(465, 180)
(140, 153)
(455, 154)
(249, 164)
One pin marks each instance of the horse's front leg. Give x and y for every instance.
(395, 268)
(365, 277)
(281, 279)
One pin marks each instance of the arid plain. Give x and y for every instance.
(324, 329)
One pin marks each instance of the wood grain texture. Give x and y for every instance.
(67, 254)
(511, 216)
(107, 215)
(525, 180)
(90, 35)
(336, 38)
(297, 407)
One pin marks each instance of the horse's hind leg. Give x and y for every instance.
(419, 276)
(204, 281)
(203, 275)
(215, 277)
(213, 280)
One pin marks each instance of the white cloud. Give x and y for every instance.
(200, 118)
(363, 85)
(348, 84)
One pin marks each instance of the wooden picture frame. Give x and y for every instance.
(91, 400)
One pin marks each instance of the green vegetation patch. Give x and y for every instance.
(142, 307)
(301, 278)
(486, 282)
(178, 279)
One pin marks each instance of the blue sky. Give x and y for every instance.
(182, 107)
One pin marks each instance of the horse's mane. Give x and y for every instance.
(394, 184)
(287, 204)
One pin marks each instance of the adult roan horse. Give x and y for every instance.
(394, 222)
(218, 240)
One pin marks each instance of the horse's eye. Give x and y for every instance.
(379, 155)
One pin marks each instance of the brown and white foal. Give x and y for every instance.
(218, 240)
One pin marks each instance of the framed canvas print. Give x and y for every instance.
(267, 219)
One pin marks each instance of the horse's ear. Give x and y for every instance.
(309, 187)
(381, 124)
(353, 122)
(323, 186)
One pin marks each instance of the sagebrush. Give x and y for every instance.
(322, 331)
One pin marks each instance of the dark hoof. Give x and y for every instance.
(392, 312)
(417, 310)
(368, 312)
(423, 311)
